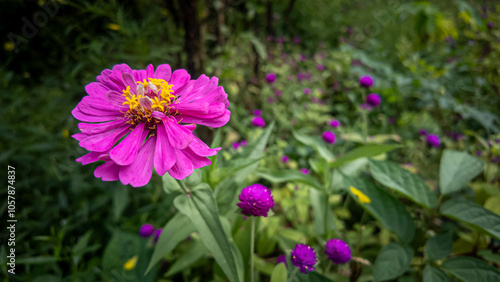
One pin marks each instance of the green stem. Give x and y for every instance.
(326, 216)
(252, 246)
(292, 275)
(183, 186)
(364, 115)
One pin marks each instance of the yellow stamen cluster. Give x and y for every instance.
(155, 85)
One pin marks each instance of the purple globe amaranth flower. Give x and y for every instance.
(320, 67)
(258, 122)
(304, 170)
(146, 230)
(334, 123)
(256, 200)
(304, 257)
(303, 57)
(373, 99)
(422, 132)
(338, 251)
(243, 143)
(157, 234)
(285, 159)
(280, 40)
(135, 120)
(307, 91)
(490, 25)
(278, 93)
(271, 77)
(257, 112)
(270, 100)
(281, 259)
(329, 137)
(479, 153)
(296, 39)
(366, 81)
(433, 140)
(236, 145)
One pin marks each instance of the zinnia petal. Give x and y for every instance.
(139, 172)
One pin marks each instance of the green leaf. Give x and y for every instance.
(279, 273)
(363, 152)
(120, 201)
(432, 274)
(471, 269)
(36, 260)
(385, 208)
(473, 215)
(115, 255)
(196, 251)
(175, 231)
(282, 176)
(489, 256)
(170, 185)
(318, 144)
(439, 246)
(80, 248)
(194, 179)
(392, 261)
(318, 203)
(457, 169)
(201, 208)
(401, 180)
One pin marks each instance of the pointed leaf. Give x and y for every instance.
(397, 178)
(318, 144)
(200, 207)
(474, 215)
(363, 152)
(282, 176)
(385, 208)
(392, 261)
(439, 246)
(432, 274)
(457, 169)
(279, 273)
(471, 269)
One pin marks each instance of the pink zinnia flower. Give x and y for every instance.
(145, 108)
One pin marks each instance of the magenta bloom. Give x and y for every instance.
(422, 132)
(320, 67)
(146, 230)
(244, 143)
(145, 108)
(236, 145)
(258, 122)
(278, 93)
(304, 170)
(285, 159)
(304, 257)
(307, 91)
(334, 123)
(303, 57)
(329, 137)
(256, 200)
(280, 40)
(281, 259)
(366, 81)
(157, 234)
(271, 77)
(338, 251)
(365, 106)
(296, 39)
(257, 112)
(433, 140)
(373, 99)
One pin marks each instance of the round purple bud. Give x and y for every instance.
(244, 143)
(490, 25)
(285, 159)
(271, 77)
(146, 230)
(236, 145)
(320, 67)
(281, 259)
(329, 137)
(307, 91)
(296, 39)
(304, 257)
(433, 140)
(373, 99)
(256, 200)
(258, 122)
(157, 234)
(365, 106)
(366, 81)
(422, 132)
(303, 57)
(278, 93)
(304, 170)
(334, 123)
(479, 153)
(338, 251)
(257, 112)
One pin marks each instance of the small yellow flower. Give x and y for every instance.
(9, 46)
(113, 26)
(130, 264)
(361, 196)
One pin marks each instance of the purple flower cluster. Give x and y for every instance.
(256, 200)
(338, 251)
(304, 257)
